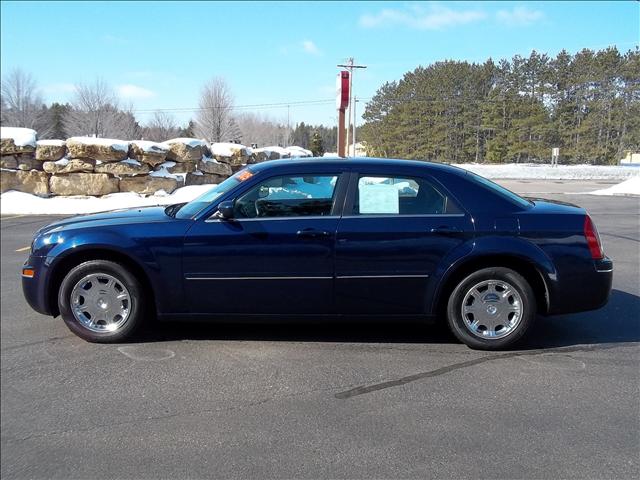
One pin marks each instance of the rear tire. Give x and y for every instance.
(491, 309)
(101, 301)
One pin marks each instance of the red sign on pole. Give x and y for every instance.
(342, 90)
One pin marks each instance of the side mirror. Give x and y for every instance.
(225, 210)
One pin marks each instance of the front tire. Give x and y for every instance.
(491, 309)
(101, 301)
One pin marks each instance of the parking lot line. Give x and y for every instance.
(10, 218)
(23, 249)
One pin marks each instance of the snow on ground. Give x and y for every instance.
(21, 136)
(51, 143)
(295, 151)
(628, 187)
(18, 203)
(104, 142)
(526, 171)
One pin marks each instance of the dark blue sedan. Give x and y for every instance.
(328, 238)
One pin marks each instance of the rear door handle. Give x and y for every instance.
(445, 230)
(313, 233)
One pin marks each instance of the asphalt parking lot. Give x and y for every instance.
(278, 401)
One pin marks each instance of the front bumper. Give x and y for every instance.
(35, 289)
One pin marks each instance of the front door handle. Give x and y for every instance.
(445, 230)
(313, 233)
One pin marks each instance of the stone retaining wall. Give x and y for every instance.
(95, 166)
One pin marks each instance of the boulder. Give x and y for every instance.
(126, 168)
(148, 185)
(151, 153)
(27, 162)
(103, 149)
(257, 157)
(184, 167)
(50, 150)
(83, 184)
(203, 179)
(230, 153)
(74, 165)
(17, 140)
(33, 181)
(8, 161)
(184, 149)
(212, 166)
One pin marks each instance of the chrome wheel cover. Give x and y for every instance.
(100, 303)
(492, 309)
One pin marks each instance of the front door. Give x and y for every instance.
(390, 241)
(275, 256)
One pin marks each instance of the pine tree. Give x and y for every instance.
(317, 146)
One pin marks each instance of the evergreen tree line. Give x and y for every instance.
(587, 104)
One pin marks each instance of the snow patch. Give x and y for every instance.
(22, 137)
(151, 147)
(191, 142)
(103, 142)
(547, 172)
(51, 143)
(131, 161)
(19, 203)
(296, 151)
(228, 149)
(63, 162)
(628, 187)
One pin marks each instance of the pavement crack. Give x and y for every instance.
(363, 389)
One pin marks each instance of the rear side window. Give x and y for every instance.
(287, 196)
(380, 195)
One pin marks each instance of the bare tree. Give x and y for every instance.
(95, 112)
(213, 120)
(161, 127)
(22, 105)
(261, 129)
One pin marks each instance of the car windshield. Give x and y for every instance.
(203, 201)
(500, 190)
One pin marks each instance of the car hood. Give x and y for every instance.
(115, 217)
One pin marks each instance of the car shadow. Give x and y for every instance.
(617, 322)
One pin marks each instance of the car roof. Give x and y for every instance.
(353, 161)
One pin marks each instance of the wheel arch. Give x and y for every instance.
(528, 269)
(75, 258)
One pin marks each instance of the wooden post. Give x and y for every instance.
(341, 133)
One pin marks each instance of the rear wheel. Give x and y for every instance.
(101, 301)
(491, 309)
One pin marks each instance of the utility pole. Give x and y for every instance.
(350, 65)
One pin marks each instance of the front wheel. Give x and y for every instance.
(101, 301)
(491, 309)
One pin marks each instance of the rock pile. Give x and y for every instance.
(100, 166)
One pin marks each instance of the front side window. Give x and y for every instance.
(288, 196)
(378, 195)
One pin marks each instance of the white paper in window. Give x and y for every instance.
(379, 198)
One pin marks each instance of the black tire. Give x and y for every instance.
(136, 306)
(465, 334)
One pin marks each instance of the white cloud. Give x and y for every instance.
(134, 91)
(436, 17)
(519, 16)
(310, 47)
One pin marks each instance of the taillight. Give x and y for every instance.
(593, 239)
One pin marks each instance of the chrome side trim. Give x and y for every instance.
(340, 277)
(605, 271)
(259, 278)
(400, 215)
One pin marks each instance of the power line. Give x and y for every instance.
(237, 107)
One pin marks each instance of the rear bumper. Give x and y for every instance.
(35, 289)
(590, 293)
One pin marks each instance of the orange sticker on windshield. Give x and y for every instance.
(244, 175)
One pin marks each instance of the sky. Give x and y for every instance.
(158, 55)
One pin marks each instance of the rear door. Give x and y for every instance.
(395, 230)
(275, 256)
